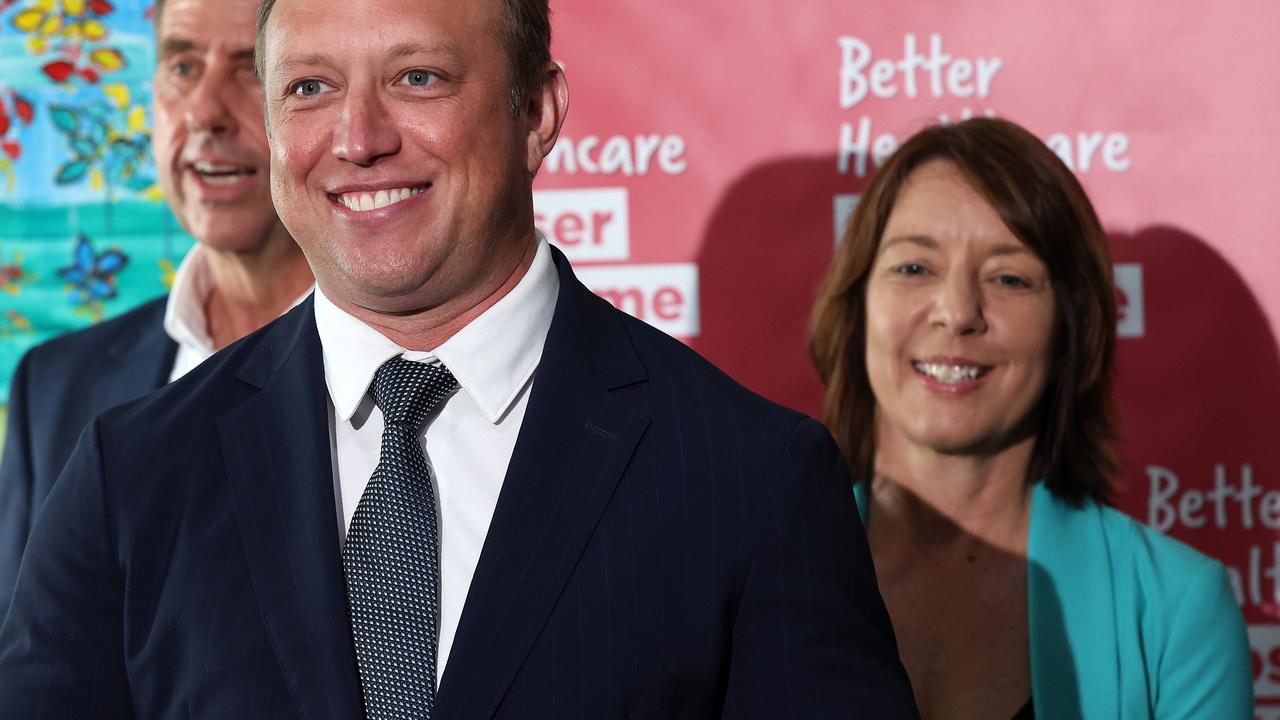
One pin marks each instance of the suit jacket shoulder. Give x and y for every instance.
(63, 383)
(83, 349)
(172, 424)
(672, 368)
(58, 387)
(168, 535)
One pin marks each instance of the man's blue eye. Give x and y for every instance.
(308, 88)
(417, 78)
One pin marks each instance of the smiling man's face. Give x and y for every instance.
(395, 160)
(209, 141)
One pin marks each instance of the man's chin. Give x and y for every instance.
(382, 295)
(231, 236)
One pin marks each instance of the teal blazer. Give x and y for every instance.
(1126, 623)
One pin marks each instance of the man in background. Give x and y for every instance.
(210, 149)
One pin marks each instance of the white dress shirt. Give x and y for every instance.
(184, 319)
(468, 444)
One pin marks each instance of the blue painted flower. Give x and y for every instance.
(92, 274)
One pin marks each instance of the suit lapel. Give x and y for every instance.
(276, 447)
(575, 442)
(137, 362)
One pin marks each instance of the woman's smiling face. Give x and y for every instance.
(960, 320)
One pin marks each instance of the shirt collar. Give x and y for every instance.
(184, 319)
(492, 358)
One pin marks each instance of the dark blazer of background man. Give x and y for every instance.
(244, 271)
(665, 543)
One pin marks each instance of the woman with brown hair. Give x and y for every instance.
(965, 334)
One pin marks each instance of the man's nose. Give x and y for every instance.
(958, 305)
(207, 107)
(365, 131)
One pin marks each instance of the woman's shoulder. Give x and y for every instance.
(1149, 552)
(1130, 544)
(1194, 633)
(1172, 608)
(1178, 587)
(1161, 569)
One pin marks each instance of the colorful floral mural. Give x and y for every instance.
(84, 231)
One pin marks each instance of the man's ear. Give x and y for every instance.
(544, 111)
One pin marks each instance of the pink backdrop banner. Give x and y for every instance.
(713, 151)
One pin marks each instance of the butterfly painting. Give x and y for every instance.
(96, 144)
(92, 276)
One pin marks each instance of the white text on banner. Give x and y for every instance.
(1264, 641)
(843, 207)
(588, 225)
(1132, 321)
(665, 296)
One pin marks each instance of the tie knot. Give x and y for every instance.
(407, 391)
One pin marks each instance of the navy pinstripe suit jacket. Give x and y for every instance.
(666, 545)
(58, 387)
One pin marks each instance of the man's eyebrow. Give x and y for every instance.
(413, 48)
(289, 63)
(175, 45)
(399, 50)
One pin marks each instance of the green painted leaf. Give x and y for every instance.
(71, 172)
(139, 182)
(64, 118)
(84, 147)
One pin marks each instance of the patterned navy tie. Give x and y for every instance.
(392, 554)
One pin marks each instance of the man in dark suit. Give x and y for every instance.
(211, 152)
(453, 484)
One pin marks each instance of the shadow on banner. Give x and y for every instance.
(1198, 388)
(763, 253)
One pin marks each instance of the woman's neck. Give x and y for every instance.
(922, 499)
